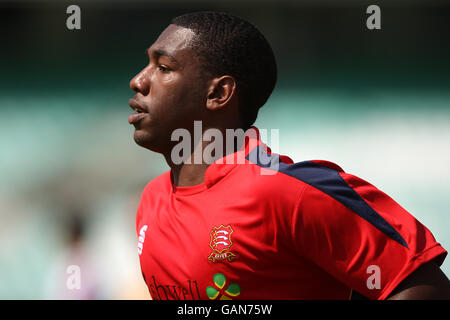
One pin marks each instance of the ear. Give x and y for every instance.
(220, 92)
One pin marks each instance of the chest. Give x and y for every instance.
(185, 244)
(223, 250)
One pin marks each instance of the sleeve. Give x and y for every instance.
(360, 235)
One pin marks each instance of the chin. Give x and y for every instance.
(147, 141)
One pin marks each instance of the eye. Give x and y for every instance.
(163, 68)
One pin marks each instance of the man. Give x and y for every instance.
(262, 228)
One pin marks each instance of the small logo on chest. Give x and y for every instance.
(221, 244)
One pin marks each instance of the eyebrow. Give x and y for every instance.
(160, 52)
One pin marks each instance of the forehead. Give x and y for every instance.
(174, 40)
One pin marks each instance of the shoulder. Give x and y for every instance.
(160, 184)
(282, 189)
(155, 189)
(277, 176)
(279, 171)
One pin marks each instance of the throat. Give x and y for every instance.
(188, 175)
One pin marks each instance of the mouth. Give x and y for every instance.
(140, 112)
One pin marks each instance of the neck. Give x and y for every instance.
(190, 171)
(187, 175)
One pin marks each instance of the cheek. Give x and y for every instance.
(177, 94)
(164, 87)
(174, 98)
(167, 78)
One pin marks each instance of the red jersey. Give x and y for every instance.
(306, 230)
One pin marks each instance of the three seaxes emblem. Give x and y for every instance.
(221, 243)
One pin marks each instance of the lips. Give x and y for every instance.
(140, 114)
(136, 117)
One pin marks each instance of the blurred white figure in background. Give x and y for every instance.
(72, 274)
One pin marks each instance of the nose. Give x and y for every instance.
(140, 83)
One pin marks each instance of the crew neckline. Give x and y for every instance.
(221, 167)
(188, 190)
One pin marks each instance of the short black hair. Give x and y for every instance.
(228, 45)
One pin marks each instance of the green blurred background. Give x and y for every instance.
(375, 102)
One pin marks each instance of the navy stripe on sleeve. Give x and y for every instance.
(330, 182)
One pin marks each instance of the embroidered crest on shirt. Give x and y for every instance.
(221, 243)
